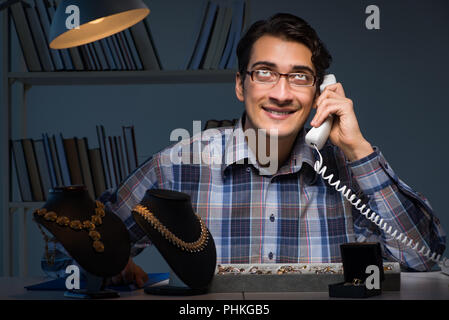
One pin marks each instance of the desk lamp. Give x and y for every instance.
(97, 19)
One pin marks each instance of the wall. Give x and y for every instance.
(396, 76)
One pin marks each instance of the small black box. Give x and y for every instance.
(356, 258)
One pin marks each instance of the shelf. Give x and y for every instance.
(123, 77)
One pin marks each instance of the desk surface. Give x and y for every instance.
(414, 286)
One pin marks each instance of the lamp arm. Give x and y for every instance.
(8, 3)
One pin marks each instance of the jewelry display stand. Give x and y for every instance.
(182, 238)
(93, 236)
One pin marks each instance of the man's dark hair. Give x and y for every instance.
(288, 27)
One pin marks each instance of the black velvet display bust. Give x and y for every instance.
(174, 211)
(75, 203)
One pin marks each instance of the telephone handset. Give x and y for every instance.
(316, 138)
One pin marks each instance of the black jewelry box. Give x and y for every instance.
(356, 258)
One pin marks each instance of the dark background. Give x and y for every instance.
(397, 77)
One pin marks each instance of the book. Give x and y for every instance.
(93, 57)
(49, 159)
(88, 62)
(119, 52)
(45, 22)
(108, 54)
(130, 147)
(25, 38)
(145, 47)
(209, 53)
(104, 156)
(33, 171)
(113, 159)
(133, 50)
(62, 159)
(56, 163)
(231, 63)
(96, 166)
(68, 64)
(121, 156)
(101, 56)
(83, 153)
(146, 23)
(21, 170)
(114, 53)
(125, 51)
(73, 161)
(38, 37)
(222, 39)
(204, 37)
(196, 35)
(42, 166)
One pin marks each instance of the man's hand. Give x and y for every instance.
(345, 132)
(131, 273)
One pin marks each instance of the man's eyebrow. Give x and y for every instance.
(273, 65)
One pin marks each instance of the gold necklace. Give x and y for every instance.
(195, 246)
(90, 225)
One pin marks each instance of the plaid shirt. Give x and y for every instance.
(293, 216)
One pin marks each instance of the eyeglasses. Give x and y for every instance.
(272, 77)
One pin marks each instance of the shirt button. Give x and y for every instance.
(248, 169)
(270, 256)
(272, 217)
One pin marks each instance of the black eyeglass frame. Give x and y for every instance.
(287, 75)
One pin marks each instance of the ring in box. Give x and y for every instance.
(356, 258)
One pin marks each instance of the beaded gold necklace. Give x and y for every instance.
(195, 246)
(89, 225)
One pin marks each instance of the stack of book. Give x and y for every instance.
(51, 161)
(219, 32)
(131, 49)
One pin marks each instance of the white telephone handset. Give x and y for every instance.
(316, 138)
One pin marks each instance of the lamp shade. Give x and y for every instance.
(97, 19)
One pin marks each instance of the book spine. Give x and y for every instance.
(132, 48)
(25, 38)
(144, 47)
(204, 36)
(86, 172)
(45, 21)
(49, 159)
(65, 173)
(23, 178)
(97, 171)
(42, 167)
(33, 171)
(104, 157)
(39, 38)
(71, 151)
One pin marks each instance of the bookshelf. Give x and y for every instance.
(25, 81)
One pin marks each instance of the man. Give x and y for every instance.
(290, 215)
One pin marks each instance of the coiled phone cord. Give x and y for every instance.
(374, 217)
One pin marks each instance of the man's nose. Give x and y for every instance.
(281, 91)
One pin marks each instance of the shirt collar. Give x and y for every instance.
(238, 152)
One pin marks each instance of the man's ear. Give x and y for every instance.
(239, 87)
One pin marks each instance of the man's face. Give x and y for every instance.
(265, 102)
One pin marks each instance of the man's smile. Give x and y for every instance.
(279, 113)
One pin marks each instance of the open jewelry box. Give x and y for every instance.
(297, 277)
(356, 258)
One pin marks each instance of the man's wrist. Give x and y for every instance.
(359, 151)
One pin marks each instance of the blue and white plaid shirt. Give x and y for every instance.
(293, 216)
